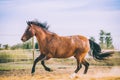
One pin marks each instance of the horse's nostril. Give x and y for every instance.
(22, 39)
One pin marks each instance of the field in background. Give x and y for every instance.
(16, 65)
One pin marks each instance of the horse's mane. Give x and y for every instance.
(37, 23)
(44, 25)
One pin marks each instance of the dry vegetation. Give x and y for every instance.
(19, 68)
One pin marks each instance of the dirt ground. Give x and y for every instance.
(63, 73)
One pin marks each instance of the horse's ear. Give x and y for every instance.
(47, 27)
(28, 22)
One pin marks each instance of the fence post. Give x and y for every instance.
(33, 50)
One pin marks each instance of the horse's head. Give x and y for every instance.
(29, 32)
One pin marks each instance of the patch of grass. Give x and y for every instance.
(14, 55)
(14, 66)
(4, 57)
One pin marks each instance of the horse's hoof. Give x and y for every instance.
(33, 70)
(32, 74)
(73, 75)
(48, 69)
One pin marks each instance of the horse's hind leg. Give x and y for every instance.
(45, 67)
(86, 64)
(41, 57)
(79, 66)
(80, 60)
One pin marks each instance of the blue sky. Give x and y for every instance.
(65, 17)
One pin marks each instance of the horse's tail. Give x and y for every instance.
(96, 51)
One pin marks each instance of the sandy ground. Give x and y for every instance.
(63, 73)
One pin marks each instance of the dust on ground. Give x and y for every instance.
(63, 73)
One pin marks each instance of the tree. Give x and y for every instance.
(6, 46)
(0, 45)
(27, 45)
(108, 40)
(102, 38)
(105, 39)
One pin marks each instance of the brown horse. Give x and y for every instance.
(52, 45)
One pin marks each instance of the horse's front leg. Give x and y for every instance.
(45, 67)
(41, 57)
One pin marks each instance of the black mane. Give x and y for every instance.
(42, 25)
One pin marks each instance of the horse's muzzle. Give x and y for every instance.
(23, 39)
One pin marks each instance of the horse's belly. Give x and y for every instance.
(63, 55)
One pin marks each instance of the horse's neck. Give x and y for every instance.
(42, 36)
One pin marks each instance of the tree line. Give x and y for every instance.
(26, 45)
